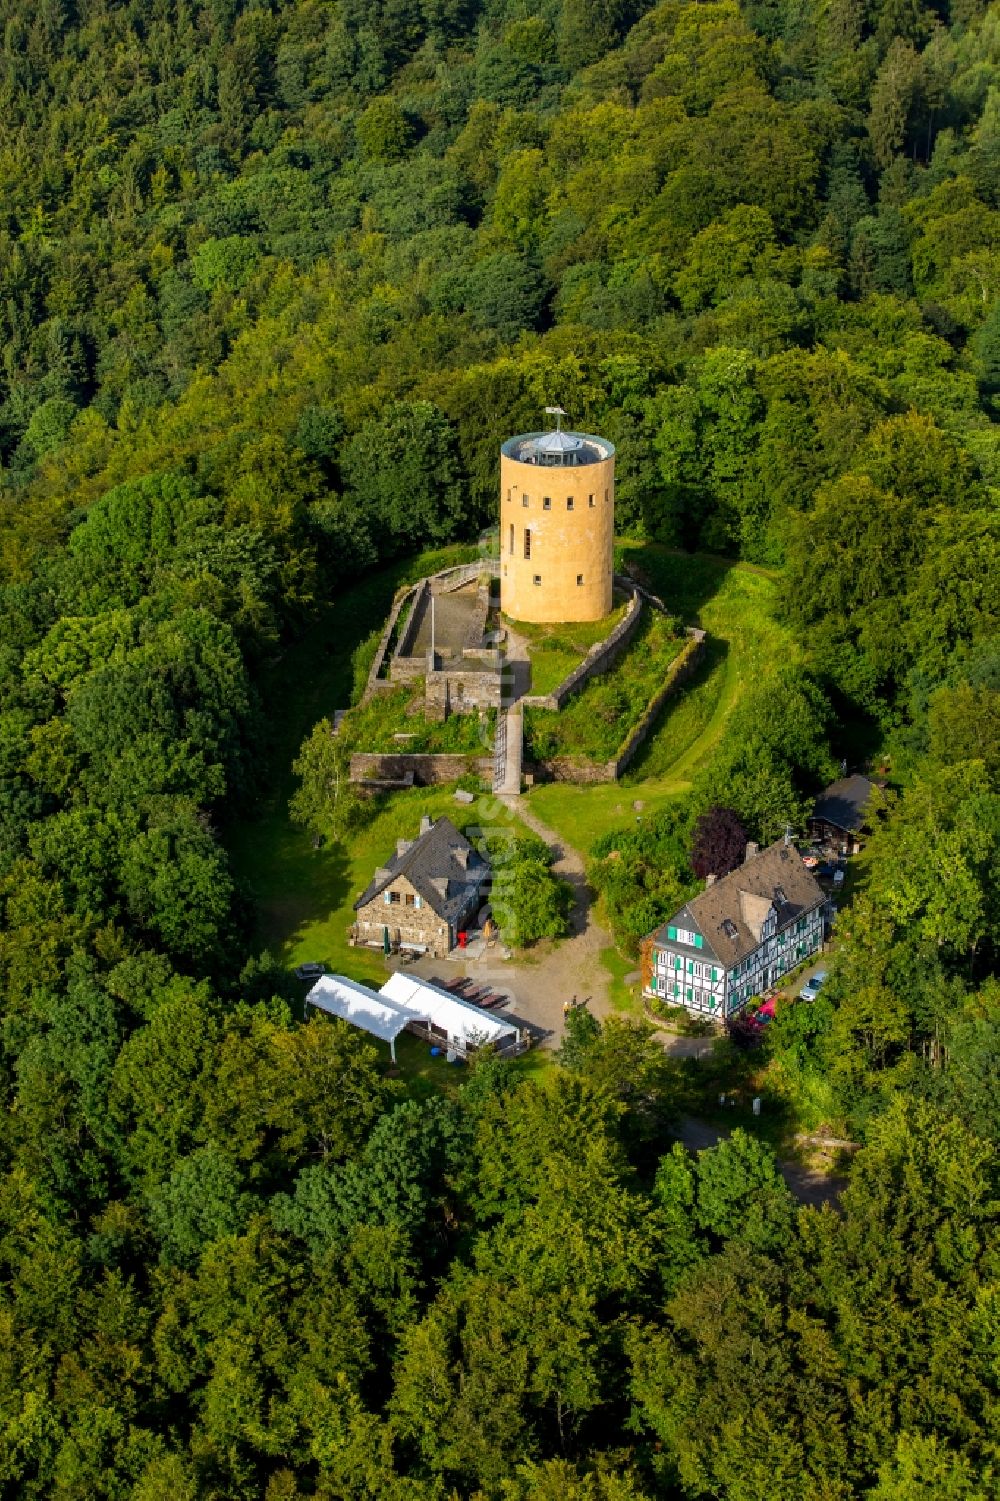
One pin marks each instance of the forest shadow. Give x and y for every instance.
(685, 581)
(298, 889)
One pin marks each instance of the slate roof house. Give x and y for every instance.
(839, 815)
(428, 892)
(740, 935)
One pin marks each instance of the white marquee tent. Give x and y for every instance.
(364, 1008)
(459, 1024)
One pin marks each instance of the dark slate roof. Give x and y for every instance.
(843, 803)
(441, 865)
(722, 913)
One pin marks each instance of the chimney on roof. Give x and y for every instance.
(402, 845)
(753, 849)
(426, 824)
(710, 880)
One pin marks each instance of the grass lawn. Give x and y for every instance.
(734, 603)
(624, 998)
(557, 649)
(305, 896)
(399, 710)
(595, 721)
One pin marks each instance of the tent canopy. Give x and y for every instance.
(463, 1022)
(364, 1008)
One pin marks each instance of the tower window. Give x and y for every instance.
(569, 502)
(590, 500)
(527, 543)
(579, 578)
(546, 502)
(524, 500)
(537, 579)
(508, 492)
(511, 548)
(606, 496)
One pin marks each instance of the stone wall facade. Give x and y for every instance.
(455, 690)
(407, 669)
(426, 769)
(412, 922)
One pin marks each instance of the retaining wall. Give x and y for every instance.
(464, 573)
(427, 768)
(375, 682)
(406, 638)
(601, 656)
(681, 669)
(563, 769)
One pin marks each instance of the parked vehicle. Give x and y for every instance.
(310, 971)
(813, 986)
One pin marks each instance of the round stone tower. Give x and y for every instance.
(557, 526)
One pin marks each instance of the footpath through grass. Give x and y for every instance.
(735, 604)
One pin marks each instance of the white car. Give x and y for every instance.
(813, 986)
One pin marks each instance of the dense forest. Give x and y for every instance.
(275, 281)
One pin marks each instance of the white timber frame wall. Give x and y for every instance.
(684, 974)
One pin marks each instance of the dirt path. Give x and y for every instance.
(539, 984)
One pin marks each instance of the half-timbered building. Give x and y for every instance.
(740, 935)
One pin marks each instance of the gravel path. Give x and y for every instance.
(542, 981)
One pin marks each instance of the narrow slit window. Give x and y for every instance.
(569, 502)
(590, 500)
(537, 579)
(546, 502)
(511, 549)
(579, 578)
(524, 501)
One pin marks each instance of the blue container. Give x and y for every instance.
(435, 1052)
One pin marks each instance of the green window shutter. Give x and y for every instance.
(688, 993)
(690, 968)
(715, 975)
(699, 942)
(672, 933)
